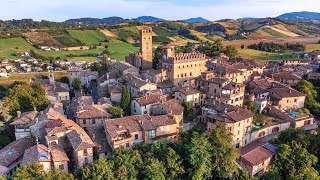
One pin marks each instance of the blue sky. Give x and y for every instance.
(60, 10)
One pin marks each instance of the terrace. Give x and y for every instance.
(263, 120)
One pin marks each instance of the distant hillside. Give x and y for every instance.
(300, 16)
(96, 21)
(247, 18)
(196, 20)
(143, 19)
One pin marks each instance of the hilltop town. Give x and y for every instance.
(191, 105)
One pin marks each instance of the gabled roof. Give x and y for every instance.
(279, 91)
(90, 112)
(173, 107)
(15, 150)
(149, 99)
(257, 152)
(25, 118)
(136, 123)
(79, 141)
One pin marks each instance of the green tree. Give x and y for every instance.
(115, 111)
(223, 153)
(64, 79)
(153, 169)
(2, 178)
(126, 163)
(29, 172)
(307, 88)
(57, 175)
(125, 100)
(293, 162)
(188, 108)
(23, 97)
(173, 164)
(199, 157)
(156, 57)
(100, 170)
(231, 51)
(76, 83)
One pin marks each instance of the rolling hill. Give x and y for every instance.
(300, 16)
(196, 20)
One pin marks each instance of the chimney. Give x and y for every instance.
(18, 114)
(290, 91)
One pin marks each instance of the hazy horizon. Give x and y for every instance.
(61, 10)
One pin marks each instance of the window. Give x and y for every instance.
(84, 121)
(85, 152)
(127, 145)
(151, 134)
(238, 132)
(86, 160)
(295, 100)
(229, 129)
(61, 167)
(136, 136)
(239, 124)
(93, 121)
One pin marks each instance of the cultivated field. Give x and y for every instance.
(88, 37)
(42, 39)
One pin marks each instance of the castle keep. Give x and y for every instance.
(143, 59)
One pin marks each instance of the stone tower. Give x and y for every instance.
(167, 51)
(51, 75)
(146, 47)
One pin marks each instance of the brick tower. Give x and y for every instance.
(146, 47)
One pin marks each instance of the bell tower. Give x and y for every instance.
(146, 47)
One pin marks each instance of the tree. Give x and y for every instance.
(115, 111)
(125, 100)
(188, 107)
(199, 157)
(173, 164)
(24, 97)
(153, 169)
(126, 163)
(64, 79)
(156, 57)
(231, 51)
(293, 162)
(100, 170)
(307, 88)
(76, 83)
(30, 172)
(57, 175)
(224, 154)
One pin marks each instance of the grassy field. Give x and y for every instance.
(263, 56)
(274, 33)
(12, 45)
(119, 49)
(88, 37)
(27, 76)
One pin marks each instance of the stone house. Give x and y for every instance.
(137, 86)
(51, 158)
(142, 105)
(11, 155)
(89, 116)
(256, 157)
(130, 130)
(237, 121)
(285, 98)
